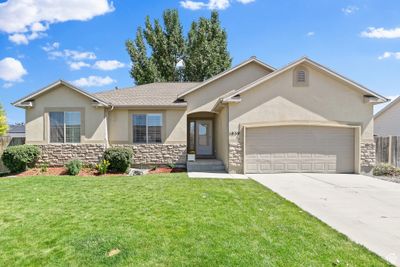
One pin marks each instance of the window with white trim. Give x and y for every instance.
(65, 127)
(147, 128)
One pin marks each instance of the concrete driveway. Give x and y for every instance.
(365, 209)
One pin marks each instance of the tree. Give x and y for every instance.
(143, 69)
(3, 121)
(167, 48)
(172, 58)
(207, 53)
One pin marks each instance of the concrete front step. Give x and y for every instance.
(205, 165)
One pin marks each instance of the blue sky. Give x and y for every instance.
(83, 41)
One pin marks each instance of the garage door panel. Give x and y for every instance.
(299, 149)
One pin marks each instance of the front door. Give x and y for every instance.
(204, 138)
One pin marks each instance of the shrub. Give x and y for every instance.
(74, 167)
(119, 158)
(102, 167)
(19, 158)
(44, 167)
(386, 169)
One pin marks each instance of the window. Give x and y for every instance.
(147, 128)
(65, 127)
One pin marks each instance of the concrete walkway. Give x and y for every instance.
(365, 209)
(216, 175)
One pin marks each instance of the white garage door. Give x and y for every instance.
(299, 149)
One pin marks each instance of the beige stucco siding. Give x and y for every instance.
(64, 99)
(118, 125)
(388, 123)
(174, 125)
(325, 100)
(204, 99)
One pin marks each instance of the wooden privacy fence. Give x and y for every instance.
(4, 142)
(388, 150)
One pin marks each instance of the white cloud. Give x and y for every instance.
(211, 4)
(381, 33)
(77, 60)
(310, 34)
(30, 17)
(77, 55)
(77, 65)
(18, 38)
(93, 81)
(68, 54)
(386, 55)
(108, 64)
(50, 47)
(218, 4)
(193, 5)
(350, 10)
(7, 85)
(11, 70)
(246, 1)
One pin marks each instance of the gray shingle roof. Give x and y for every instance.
(153, 94)
(16, 128)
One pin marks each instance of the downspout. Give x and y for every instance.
(106, 126)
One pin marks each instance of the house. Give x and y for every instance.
(254, 118)
(387, 120)
(16, 130)
(17, 134)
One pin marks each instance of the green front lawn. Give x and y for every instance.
(162, 220)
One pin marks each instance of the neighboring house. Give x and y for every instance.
(387, 120)
(17, 134)
(16, 130)
(254, 118)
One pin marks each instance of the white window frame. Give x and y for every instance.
(147, 127)
(65, 127)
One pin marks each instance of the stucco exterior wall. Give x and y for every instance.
(64, 99)
(325, 101)
(120, 125)
(204, 99)
(388, 123)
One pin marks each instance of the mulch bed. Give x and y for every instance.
(85, 172)
(166, 170)
(56, 171)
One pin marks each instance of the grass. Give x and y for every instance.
(162, 220)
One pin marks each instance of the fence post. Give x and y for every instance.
(390, 150)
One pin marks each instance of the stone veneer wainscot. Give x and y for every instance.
(235, 158)
(367, 157)
(60, 154)
(156, 154)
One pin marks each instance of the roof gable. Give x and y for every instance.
(224, 73)
(19, 102)
(312, 63)
(388, 107)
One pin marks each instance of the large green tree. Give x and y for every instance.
(171, 57)
(3, 121)
(207, 53)
(143, 69)
(167, 46)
